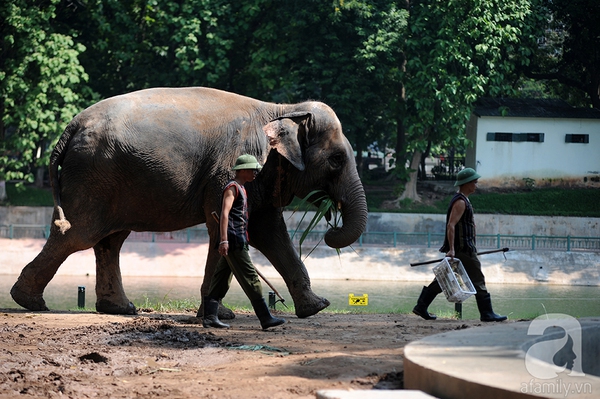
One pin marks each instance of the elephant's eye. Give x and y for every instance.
(336, 160)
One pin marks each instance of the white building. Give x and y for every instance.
(541, 142)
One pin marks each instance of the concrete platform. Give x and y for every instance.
(372, 394)
(509, 360)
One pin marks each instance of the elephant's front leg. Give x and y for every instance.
(268, 233)
(110, 295)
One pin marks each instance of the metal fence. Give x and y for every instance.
(533, 242)
(368, 239)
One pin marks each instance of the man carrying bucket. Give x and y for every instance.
(460, 243)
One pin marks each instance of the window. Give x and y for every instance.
(516, 137)
(499, 137)
(577, 138)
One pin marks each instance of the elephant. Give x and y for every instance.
(157, 159)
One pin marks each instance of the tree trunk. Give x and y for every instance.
(39, 176)
(359, 160)
(3, 196)
(424, 156)
(410, 190)
(400, 144)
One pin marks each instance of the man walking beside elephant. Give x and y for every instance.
(233, 247)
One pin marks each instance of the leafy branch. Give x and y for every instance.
(326, 208)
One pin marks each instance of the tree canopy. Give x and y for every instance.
(457, 51)
(568, 57)
(41, 85)
(400, 74)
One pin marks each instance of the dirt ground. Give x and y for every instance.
(81, 355)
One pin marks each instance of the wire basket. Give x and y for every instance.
(454, 280)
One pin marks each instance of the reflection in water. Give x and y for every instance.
(516, 301)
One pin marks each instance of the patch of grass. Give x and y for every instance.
(169, 305)
(540, 202)
(409, 206)
(191, 305)
(26, 195)
(376, 197)
(573, 202)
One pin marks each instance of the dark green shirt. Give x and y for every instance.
(464, 231)
(237, 228)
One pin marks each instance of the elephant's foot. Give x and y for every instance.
(105, 306)
(27, 299)
(310, 307)
(224, 312)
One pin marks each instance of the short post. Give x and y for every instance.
(458, 310)
(81, 297)
(272, 300)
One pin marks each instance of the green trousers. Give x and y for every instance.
(238, 264)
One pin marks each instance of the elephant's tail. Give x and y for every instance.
(56, 159)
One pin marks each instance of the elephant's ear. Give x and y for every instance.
(286, 134)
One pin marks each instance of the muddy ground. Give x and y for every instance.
(152, 355)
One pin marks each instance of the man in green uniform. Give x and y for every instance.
(460, 243)
(233, 248)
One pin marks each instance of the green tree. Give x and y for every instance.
(567, 57)
(138, 44)
(40, 85)
(347, 54)
(457, 51)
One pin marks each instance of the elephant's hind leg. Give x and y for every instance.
(28, 291)
(110, 295)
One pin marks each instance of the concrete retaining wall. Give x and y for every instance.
(361, 263)
(390, 264)
(388, 222)
(25, 214)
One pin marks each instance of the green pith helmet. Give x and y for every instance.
(466, 175)
(246, 161)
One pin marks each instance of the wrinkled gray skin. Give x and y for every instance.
(157, 159)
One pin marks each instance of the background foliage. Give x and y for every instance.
(400, 74)
(573, 202)
(40, 86)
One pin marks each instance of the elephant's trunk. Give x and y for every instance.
(354, 218)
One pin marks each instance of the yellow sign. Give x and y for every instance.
(358, 300)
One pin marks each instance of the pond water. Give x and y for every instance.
(516, 301)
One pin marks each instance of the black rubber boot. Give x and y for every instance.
(427, 296)
(484, 304)
(263, 314)
(211, 310)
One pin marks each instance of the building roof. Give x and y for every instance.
(532, 108)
